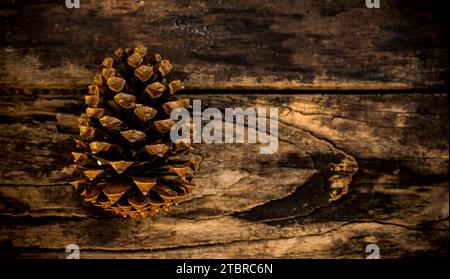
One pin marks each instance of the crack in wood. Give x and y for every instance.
(393, 186)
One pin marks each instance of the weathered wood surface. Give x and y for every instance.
(232, 44)
(246, 205)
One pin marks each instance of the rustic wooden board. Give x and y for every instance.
(232, 44)
(246, 205)
(344, 240)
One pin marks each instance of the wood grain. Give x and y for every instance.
(246, 205)
(232, 44)
(345, 240)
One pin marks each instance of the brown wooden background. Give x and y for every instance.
(368, 87)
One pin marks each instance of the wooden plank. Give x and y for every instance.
(411, 207)
(346, 241)
(271, 206)
(228, 44)
(275, 176)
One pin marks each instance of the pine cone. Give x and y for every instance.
(126, 161)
